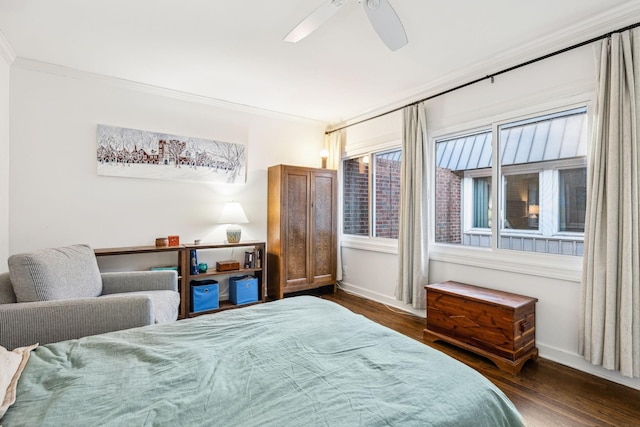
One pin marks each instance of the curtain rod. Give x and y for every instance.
(491, 76)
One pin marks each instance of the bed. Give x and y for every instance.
(300, 361)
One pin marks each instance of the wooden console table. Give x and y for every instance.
(497, 325)
(184, 276)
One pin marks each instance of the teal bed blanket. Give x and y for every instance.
(301, 361)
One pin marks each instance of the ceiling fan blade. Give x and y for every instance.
(314, 20)
(386, 23)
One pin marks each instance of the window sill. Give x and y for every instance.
(506, 232)
(562, 267)
(373, 244)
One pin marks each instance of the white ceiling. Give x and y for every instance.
(232, 50)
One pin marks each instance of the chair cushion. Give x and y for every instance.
(164, 304)
(57, 273)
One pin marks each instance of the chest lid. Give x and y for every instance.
(480, 294)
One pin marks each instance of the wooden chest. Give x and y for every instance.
(498, 325)
(227, 265)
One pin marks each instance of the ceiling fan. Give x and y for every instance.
(380, 13)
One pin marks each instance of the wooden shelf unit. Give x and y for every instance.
(260, 273)
(184, 276)
(128, 250)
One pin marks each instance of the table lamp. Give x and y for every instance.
(233, 214)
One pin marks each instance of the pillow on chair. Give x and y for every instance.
(57, 273)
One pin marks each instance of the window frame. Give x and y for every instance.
(556, 266)
(552, 228)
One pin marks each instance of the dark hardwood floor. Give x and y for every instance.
(546, 393)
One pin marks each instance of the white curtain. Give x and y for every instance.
(610, 315)
(333, 144)
(413, 256)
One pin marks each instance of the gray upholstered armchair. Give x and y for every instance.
(58, 294)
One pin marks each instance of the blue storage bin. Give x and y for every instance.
(204, 295)
(243, 290)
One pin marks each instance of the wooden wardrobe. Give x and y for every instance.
(301, 229)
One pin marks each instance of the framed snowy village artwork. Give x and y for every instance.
(141, 154)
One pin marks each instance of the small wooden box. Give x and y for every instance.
(495, 324)
(227, 265)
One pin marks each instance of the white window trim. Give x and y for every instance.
(373, 244)
(384, 143)
(561, 267)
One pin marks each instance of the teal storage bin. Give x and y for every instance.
(243, 290)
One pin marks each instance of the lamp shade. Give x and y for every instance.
(232, 213)
(324, 155)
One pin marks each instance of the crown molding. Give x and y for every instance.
(596, 26)
(59, 70)
(5, 50)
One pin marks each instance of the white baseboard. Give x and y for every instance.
(576, 361)
(572, 360)
(381, 298)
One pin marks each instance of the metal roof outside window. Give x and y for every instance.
(545, 138)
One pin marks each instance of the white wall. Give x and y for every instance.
(5, 61)
(57, 198)
(562, 79)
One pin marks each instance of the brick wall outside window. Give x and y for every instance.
(387, 201)
(356, 197)
(448, 205)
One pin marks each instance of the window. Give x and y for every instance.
(463, 202)
(521, 200)
(382, 175)
(482, 202)
(573, 199)
(542, 185)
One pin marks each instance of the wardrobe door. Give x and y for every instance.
(323, 227)
(297, 186)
